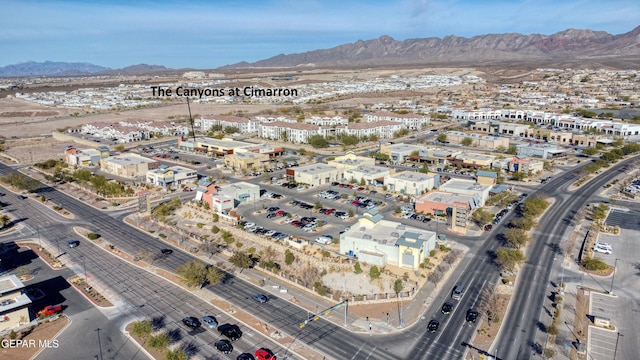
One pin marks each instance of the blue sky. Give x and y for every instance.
(208, 34)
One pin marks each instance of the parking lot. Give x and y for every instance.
(625, 219)
(602, 342)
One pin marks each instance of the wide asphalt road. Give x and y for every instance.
(517, 335)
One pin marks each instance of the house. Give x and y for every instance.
(128, 165)
(314, 175)
(171, 177)
(376, 241)
(246, 160)
(468, 187)
(412, 183)
(14, 304)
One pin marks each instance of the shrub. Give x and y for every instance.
(357, 268)
(594, 264)
(288, 257)
(552, 329)
(199, 225)
(159, 341)
(432, 253)
(374, 272)
(215, 229)
(162, 235)
(505, 281)
(93, 236)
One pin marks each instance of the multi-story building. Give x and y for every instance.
(545, 151)
(293, 132)
(382, 129)
(171, 177)
(410, 121)
(244, 125)
(398, 152)
(240, 191)
(412, 183)
(381, 242)
(128, 165)
(327, 121)
(440, 202)
(87, 157)
(472, 160)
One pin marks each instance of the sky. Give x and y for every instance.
(208, 34)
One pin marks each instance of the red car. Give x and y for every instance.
(330, 211)
(360, 188)
(50, 310)
(265, 354)
(281, 213)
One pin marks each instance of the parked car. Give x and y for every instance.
(224, 346)
(191, 322)
(326, 240)
(265, 354)
(273, 209)
(50, 310)
(210, 321)
(245, 356)
(231, 331)
(433, 326)
(271, 215)
(602, 250)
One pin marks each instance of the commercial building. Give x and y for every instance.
(14, 304)
(468, 187)
(480, 141)
(314, 175)
(240, 192)
(370, 174)
(171, 177)
(87, 157)
(525, 165)
(380, 242)
(440, 202)
(246, 160)
(412, 183)
(128, 165)
(398, 152)
(350, 161)
(472, 160)
(486, 177)
(545, 151)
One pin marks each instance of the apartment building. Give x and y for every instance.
(410, 121)
(293, 132)
(381, 242)
(244, 125)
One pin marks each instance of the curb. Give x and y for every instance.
(54, 336)
(85, 295)
(26, 243)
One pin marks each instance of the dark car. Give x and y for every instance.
(488, 227)
(231, 331)
(245, 356)
(191, 322)
(271, 215)
(73, 243)
(166, 252)
(472, 315)
(433, 326)
(260, 298)
(224, 346)
(273, 209)
(446, 308)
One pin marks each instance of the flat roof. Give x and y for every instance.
(315, 169)
(402, 147)
(413, 176)
(129, 159)
(248, 155)
(385, 232)
(221, 142)
(371, 169)
(10, 283)
(463, 184)
(446, 197)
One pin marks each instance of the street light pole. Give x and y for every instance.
(613, 276)
(615, 352)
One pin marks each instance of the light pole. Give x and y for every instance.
(613, 276)
(615, 352)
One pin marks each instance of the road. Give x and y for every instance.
(517, 335)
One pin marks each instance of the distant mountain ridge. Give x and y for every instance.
(58, 68)
(567, 45)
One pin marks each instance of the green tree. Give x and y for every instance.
(242, 259)
(141, 328)
(516, 237)
(467, 141)
(227, 237)
(512, 150)
(590, 151)
(357, 268)
(518, 176)
(397, 286)
(400, 133)
(600, 212)
(534, 206)
(374, 272)
(159, 341)
(175, 354)
(289, 258)
(120, 148)
(526, 223)
(317, 205)
(4, 221)
(196, 273)
(318, 141)
(509, 258)
(442, 138)
(350, 213)
(481, 216)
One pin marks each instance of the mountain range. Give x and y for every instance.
(568, 46)
(56, 68)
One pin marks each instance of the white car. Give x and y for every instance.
(604, 245)
(602, 250)
(249, 225)
(326, 240)
(289, 220)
